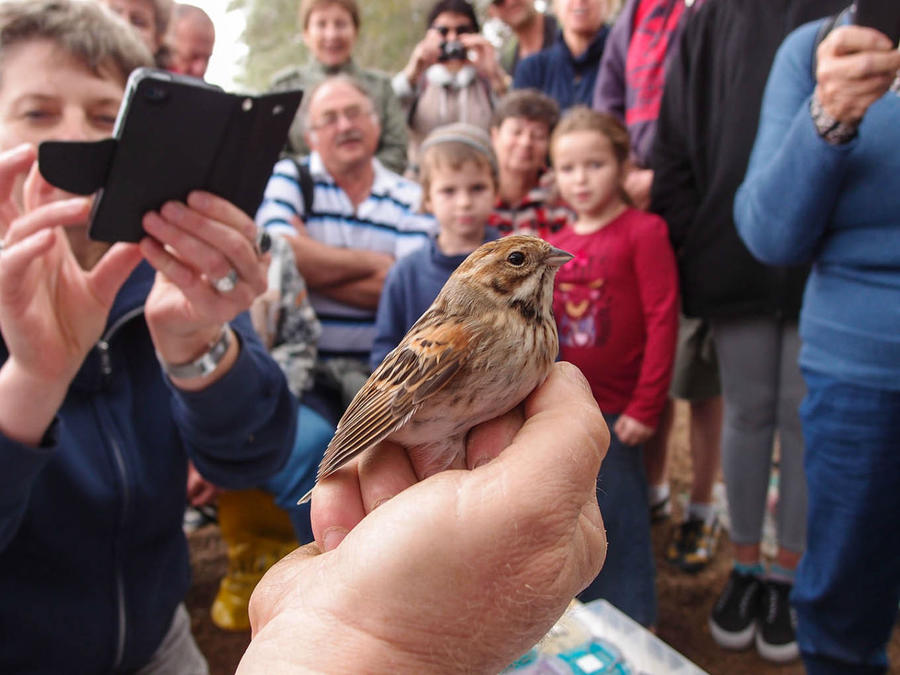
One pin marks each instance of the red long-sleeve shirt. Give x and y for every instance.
(616, 307)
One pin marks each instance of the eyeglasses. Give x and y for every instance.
(459, 30)
(330, 118)
(498, 3)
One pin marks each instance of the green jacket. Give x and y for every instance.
(392, 144)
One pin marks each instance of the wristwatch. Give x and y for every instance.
(204, 364)
(832, 131)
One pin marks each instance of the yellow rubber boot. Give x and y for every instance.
(257, 534)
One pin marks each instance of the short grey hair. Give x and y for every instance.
(83, 29)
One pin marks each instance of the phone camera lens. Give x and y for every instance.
(156, 93)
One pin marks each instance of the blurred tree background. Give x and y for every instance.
(389, 31)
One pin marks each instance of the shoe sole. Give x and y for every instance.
(737, 640)
(777, 653)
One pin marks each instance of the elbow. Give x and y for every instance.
(762, 232)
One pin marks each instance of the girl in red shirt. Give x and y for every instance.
(616, 307)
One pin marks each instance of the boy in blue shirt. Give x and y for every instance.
(459, 183)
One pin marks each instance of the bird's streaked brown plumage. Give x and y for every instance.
(486, 342)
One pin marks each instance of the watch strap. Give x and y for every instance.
(204, 364)
(831, 130)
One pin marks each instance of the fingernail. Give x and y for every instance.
(333, 536)
(172, 210)
(199, 200)
(481, 461)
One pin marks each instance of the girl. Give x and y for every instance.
(616, 306)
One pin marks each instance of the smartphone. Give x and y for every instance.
(173, 134)
(883, 15)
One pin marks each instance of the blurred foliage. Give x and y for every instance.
(389, 31)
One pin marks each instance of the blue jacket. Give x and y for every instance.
(409, 289)
(93, 560)
(804, 200)
(566, 79)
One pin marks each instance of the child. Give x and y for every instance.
(616, 307)
(458, 172)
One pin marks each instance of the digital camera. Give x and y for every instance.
(452, 50)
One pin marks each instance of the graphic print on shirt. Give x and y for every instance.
(582, 303)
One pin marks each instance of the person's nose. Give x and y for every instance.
(74, 126)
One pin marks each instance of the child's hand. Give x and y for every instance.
(632, 432)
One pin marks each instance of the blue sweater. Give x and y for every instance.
(93, 560)
(411, 286)
(839, 207)
(563, 77)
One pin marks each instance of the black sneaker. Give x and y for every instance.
(776, 637)
(693, 544)
(733, 620)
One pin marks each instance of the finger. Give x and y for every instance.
(15, 261)
(851, 39)
(384, 471)
(222, 211)
(278, 585)
(108, 275)
(36, 190)
(337, 506)
(13, 164)
(212, 246)
(62, 213)
(563, 420)
(206, 301)
(488, 439)
(860, 65)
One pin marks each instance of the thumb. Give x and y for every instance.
(108, 275)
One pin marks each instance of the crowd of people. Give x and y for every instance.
(720, 171)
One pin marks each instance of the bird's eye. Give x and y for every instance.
(516, 258)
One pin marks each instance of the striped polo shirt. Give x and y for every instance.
(388, 222)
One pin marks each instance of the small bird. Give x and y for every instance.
(486, 342)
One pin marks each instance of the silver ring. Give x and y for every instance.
(227, 283)
(263, 242)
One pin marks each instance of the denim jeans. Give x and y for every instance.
(298, 475)
(628, 577)
(848, 582)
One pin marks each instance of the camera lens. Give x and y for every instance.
(156, 93)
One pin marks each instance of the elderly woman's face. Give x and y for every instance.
(330, 34)
(141, 14)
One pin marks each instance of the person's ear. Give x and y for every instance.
(310, 138)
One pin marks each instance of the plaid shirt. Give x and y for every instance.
(536, 214)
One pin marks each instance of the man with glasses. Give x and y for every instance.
(346, 216)
(452, 76)
(532, 30)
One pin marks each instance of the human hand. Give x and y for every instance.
(199, 490)
(425, 54)
(855, 67)
(52, 311)
(190, 245)
(630, 431)
(504, 546)
(637, 184)
(483, 56)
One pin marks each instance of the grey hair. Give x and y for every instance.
(85, 30)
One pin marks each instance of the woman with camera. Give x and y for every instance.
(452, 76)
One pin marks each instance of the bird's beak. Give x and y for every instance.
(557, 257)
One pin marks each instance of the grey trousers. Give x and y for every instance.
(762, 389)
(178, 653)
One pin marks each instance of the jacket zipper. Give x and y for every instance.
(119, 457)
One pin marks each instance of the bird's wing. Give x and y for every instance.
(420, 366)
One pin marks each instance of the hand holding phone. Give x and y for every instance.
(173, 134)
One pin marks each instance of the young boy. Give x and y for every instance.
(459, 184)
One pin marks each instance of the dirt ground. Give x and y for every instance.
(684, 600)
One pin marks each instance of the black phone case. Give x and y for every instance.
(176, 134)
(883, 15)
